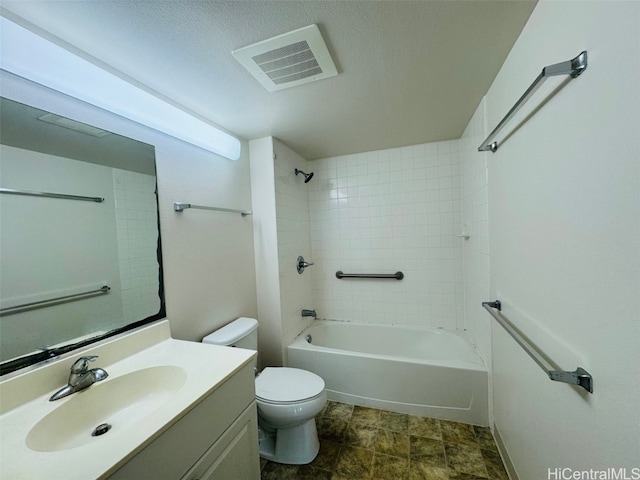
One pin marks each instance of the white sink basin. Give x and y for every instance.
(122, 402)
(154, 380)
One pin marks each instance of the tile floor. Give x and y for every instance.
(365, 443)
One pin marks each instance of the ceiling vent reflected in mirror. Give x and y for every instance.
(288, 60)
(73, 125)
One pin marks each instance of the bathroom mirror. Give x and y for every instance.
(80, 256)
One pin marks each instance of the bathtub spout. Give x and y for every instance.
(309, 313)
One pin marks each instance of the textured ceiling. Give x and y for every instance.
(409, 71)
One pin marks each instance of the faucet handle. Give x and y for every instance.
(302, 264)
(82, 364)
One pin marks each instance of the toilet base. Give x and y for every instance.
(297, 445)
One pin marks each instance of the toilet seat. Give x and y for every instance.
(284, 385)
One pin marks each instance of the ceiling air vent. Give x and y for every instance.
(289, 59)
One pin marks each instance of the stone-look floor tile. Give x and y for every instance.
(397, 422)
(331, 428)
(348, 434)
(263, 462)
(427, 451)
(454, 475)
(337, 410)
(327, 456)
(386, 468)
(494, 465)
(365, 416)
(354, 463)
(362, 436)
(485, 438)
(307, 472)
(392, 443)
(465, 459)
(278, 471)
(424, 427)
(420, 471)
(458, 433)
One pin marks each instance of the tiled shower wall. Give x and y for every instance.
(385, 211)
(476, 247)
(292, 218)
(137, 224)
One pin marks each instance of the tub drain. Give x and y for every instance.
(308, 338)
(101, 430)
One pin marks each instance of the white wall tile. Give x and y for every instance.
(384, 211)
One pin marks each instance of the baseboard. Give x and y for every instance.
(503, 453)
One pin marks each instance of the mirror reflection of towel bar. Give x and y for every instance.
(51, 195)
(46, 303)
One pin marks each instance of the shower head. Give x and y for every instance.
(307, 176)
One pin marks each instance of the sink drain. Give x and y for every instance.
(101, 430)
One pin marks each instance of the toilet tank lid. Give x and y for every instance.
(232, 332)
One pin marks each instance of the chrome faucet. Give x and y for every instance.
(80, 377)
(309, 313)
(302, 264)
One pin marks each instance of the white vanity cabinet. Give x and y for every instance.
(215, 440)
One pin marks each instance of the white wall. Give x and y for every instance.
(208, 257)
(281, 233)
(265, 234)
(564, 210)
(384, 211)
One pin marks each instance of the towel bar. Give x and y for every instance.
(579, 377)
(179, 207)
(573, 67)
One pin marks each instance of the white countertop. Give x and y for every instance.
(24, 403)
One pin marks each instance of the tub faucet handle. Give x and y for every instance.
(302, 264)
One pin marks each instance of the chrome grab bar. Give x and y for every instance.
(51, 195)
(573, 67)
(579, 377)
(44, 303)
(397, 275)
(179, 207)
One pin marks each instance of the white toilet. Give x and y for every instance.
(288, 399)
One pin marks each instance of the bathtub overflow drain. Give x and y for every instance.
(308, 337)
(101, 429)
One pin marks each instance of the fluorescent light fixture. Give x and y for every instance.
(32, 57)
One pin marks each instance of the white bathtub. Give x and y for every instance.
(414, 370)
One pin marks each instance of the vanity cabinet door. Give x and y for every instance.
(234, 455)
(188, 441)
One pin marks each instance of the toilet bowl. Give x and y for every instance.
(288, 399)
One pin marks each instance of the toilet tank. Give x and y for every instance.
(242, 333)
